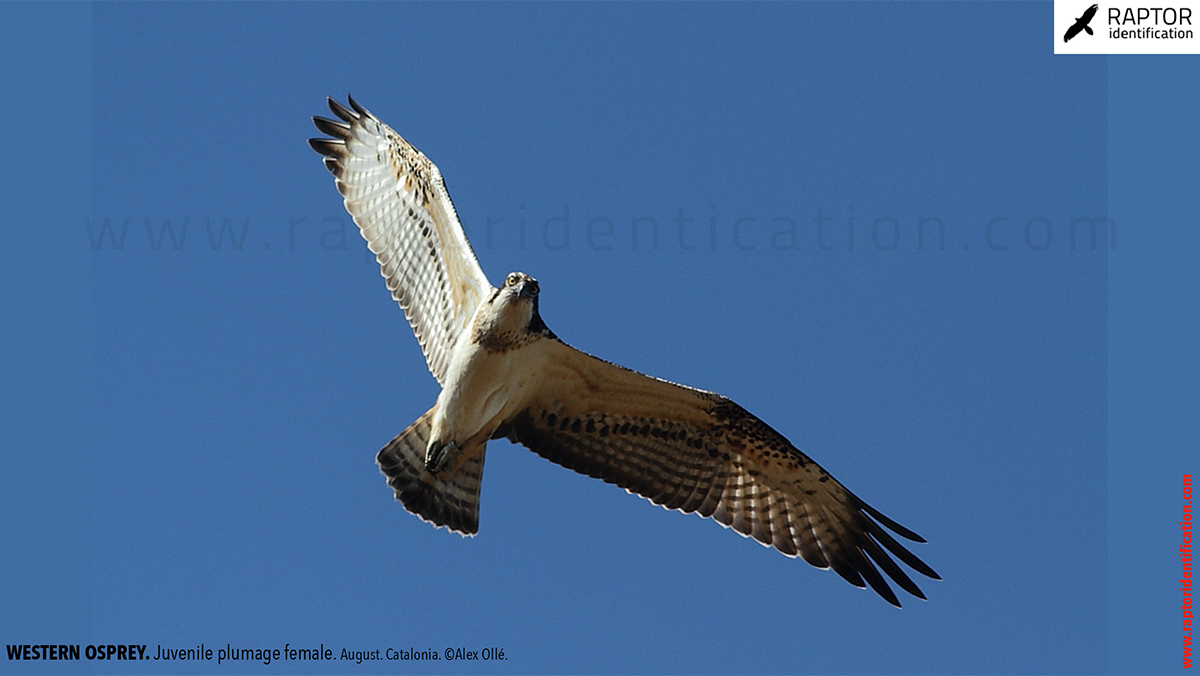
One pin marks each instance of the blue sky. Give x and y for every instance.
(226, 394)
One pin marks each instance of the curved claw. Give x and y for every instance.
(437, 453)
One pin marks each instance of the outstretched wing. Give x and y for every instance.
(399, 201)
(696, 451)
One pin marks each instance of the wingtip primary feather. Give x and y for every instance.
(890, 567)
(332, 127)
(873, 578)
(891, 525)
(881, 536)
(358, 107)
(341, 111)
(327, 146)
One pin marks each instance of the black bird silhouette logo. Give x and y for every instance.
(1081, 24)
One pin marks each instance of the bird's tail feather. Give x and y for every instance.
(449, 498)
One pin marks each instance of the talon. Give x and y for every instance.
(437, 453)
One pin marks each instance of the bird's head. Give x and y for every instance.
(522, 286)
(514, 307)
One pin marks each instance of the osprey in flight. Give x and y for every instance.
(504, 373)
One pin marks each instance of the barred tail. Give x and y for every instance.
(449, 498)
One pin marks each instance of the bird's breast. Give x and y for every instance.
(483, 388)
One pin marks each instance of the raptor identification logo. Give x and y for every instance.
(1126, 27)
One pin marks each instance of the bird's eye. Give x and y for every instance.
(512, 279)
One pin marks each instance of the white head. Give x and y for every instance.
(511, 317)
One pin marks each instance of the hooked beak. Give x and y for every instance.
(526, 288)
